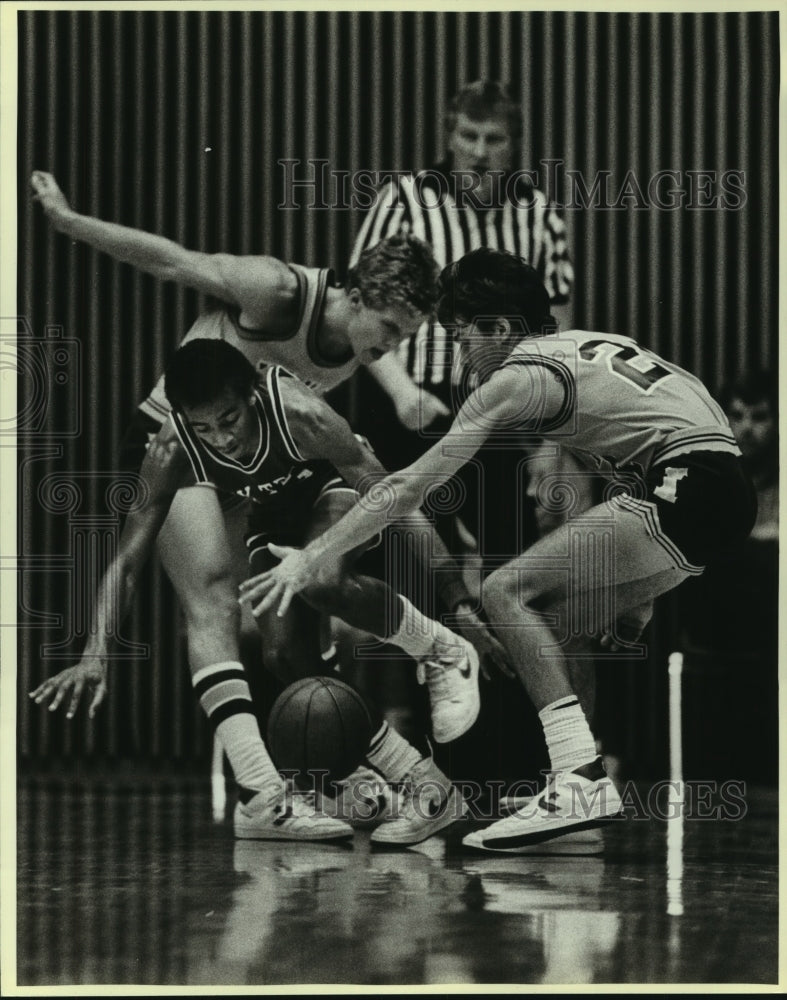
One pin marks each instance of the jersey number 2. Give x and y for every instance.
(632, 364)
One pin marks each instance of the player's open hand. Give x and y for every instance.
(277, 586)
(71, 683)
(491, 653)
(47, 192)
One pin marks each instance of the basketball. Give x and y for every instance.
(320, 728)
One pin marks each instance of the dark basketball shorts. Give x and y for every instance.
(705, 501)
(286, 521)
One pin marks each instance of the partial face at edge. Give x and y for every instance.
(753, 425)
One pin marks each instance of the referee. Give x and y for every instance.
(475, 197)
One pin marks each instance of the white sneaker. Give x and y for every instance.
(290, 816)
(580, 842)
(363, 799)
(428, 803)
(451, 673)
(572, 802)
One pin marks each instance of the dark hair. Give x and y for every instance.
(482, 100)
(201, 370)
(400, 270)
(754, 387)
(485, 284)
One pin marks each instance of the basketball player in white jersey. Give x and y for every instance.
(273, 440)
(678, 496)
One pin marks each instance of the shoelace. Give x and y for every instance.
(298, 802)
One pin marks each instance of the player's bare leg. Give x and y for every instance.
(426, 801)
(447, 663)
(196, 552)
(621, 574)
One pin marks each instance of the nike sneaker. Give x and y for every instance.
(363, 799)
(427, 803)
(451, 674)
(573, 802)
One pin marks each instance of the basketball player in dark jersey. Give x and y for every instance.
(274, 441)
(679, 497)
(278, 313)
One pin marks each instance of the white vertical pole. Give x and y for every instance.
(675, 711)
(676, 798)
(218, 784)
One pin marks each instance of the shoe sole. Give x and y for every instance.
(273, 833)
(581, 843)
(540, 841)
(448, 818)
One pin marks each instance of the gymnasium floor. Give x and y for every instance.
(123, 878)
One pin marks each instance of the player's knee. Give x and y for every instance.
(212, 605)
(503, 590)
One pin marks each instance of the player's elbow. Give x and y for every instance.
(202, 271)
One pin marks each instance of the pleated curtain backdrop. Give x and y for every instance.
(177, 123)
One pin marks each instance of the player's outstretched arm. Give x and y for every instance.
(247, 282)
(391, 498)
(162, 472)
(415, 407)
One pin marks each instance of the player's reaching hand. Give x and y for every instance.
(277, 586)
(90, 674)
(50, 197)
(491, 653)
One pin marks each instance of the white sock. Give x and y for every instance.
(225, 697)
(418, 634)
(391, 754)
(569, 740)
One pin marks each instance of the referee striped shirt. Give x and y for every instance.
(524, 223)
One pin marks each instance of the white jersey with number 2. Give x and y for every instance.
(622, 403)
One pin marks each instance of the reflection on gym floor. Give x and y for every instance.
(122, 882)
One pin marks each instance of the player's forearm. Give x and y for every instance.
(387, 500)
(154, 254)
(112, 604)
(391, 374)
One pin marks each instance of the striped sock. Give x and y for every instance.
(391, 754)
(226, 700)
(569, 740)
(418, 634)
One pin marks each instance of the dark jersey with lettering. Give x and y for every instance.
(277, 478)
